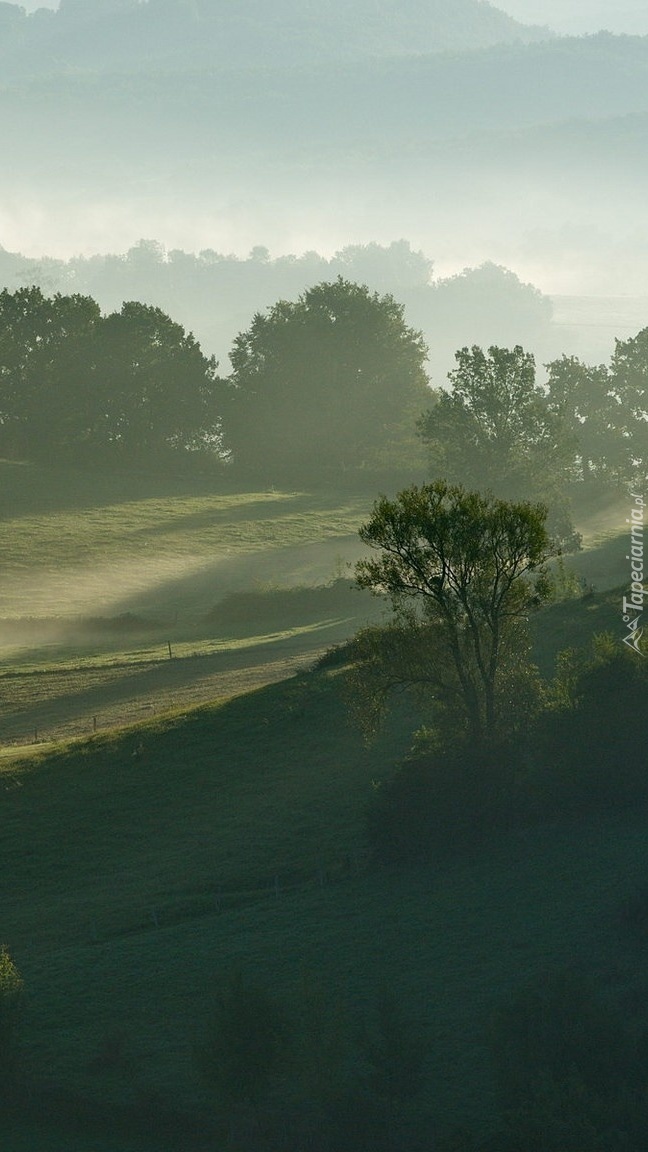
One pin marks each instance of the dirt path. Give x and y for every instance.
(52, 705)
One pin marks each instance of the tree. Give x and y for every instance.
(584, 397)
(496, 430)
(606, 409)
(11, 993)
(629, 373)
(75, 383)
(155, 390)
(570, 1067)
(46, 356)
(463, 571)
(396, 1054)
(248, 1045)
(328, 383)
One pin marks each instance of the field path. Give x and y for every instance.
(53, 704)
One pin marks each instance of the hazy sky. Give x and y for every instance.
(576, 16)
(580, 16)
(566, 239)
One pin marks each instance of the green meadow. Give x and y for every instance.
(118, 595)
(216, 818)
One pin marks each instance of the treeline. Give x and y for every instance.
(433, 96)
(80, 386)
(331, 384)
(214, 294)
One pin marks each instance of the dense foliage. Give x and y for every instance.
(76, 384)
(328, 384)
(497, 431)
(606, 410)
(215, 293)
(462, 572)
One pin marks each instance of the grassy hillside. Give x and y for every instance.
(139, 867)
(121, 597)
(100, 575)
(76, 546)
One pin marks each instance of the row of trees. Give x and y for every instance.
(76, 383)
(499, 429)
(332, 382)
(485, 304)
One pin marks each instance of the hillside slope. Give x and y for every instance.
(139, 868)
(109, 34)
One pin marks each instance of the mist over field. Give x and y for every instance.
(475, 137)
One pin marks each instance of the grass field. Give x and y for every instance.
(98, 579)
(99, 575)
(225, 824)
(168, 554)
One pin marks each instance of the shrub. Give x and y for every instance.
(247, 1043)
(448, 798)
(571, 1070)
(591, 742)
(11, 998)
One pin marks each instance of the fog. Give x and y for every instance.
(578, 17)
(530, 156)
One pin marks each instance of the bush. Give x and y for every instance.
(571, 1070)
(247, 1044)
(309, 1071)
(448, 798)
(591, 743)
(11, 998)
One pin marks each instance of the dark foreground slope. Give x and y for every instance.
(139, 868)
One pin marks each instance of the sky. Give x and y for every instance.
(596, 244)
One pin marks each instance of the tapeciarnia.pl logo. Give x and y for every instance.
(634, 604)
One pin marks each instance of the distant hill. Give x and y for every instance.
(212, 125)
(104, 34)
(383, 103)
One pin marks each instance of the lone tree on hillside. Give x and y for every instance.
(463, 571)
(331, 382)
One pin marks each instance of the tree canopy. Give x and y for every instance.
(496, 430)
(606, 409)
(463, 571)
(76, 383)
(330, 382)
